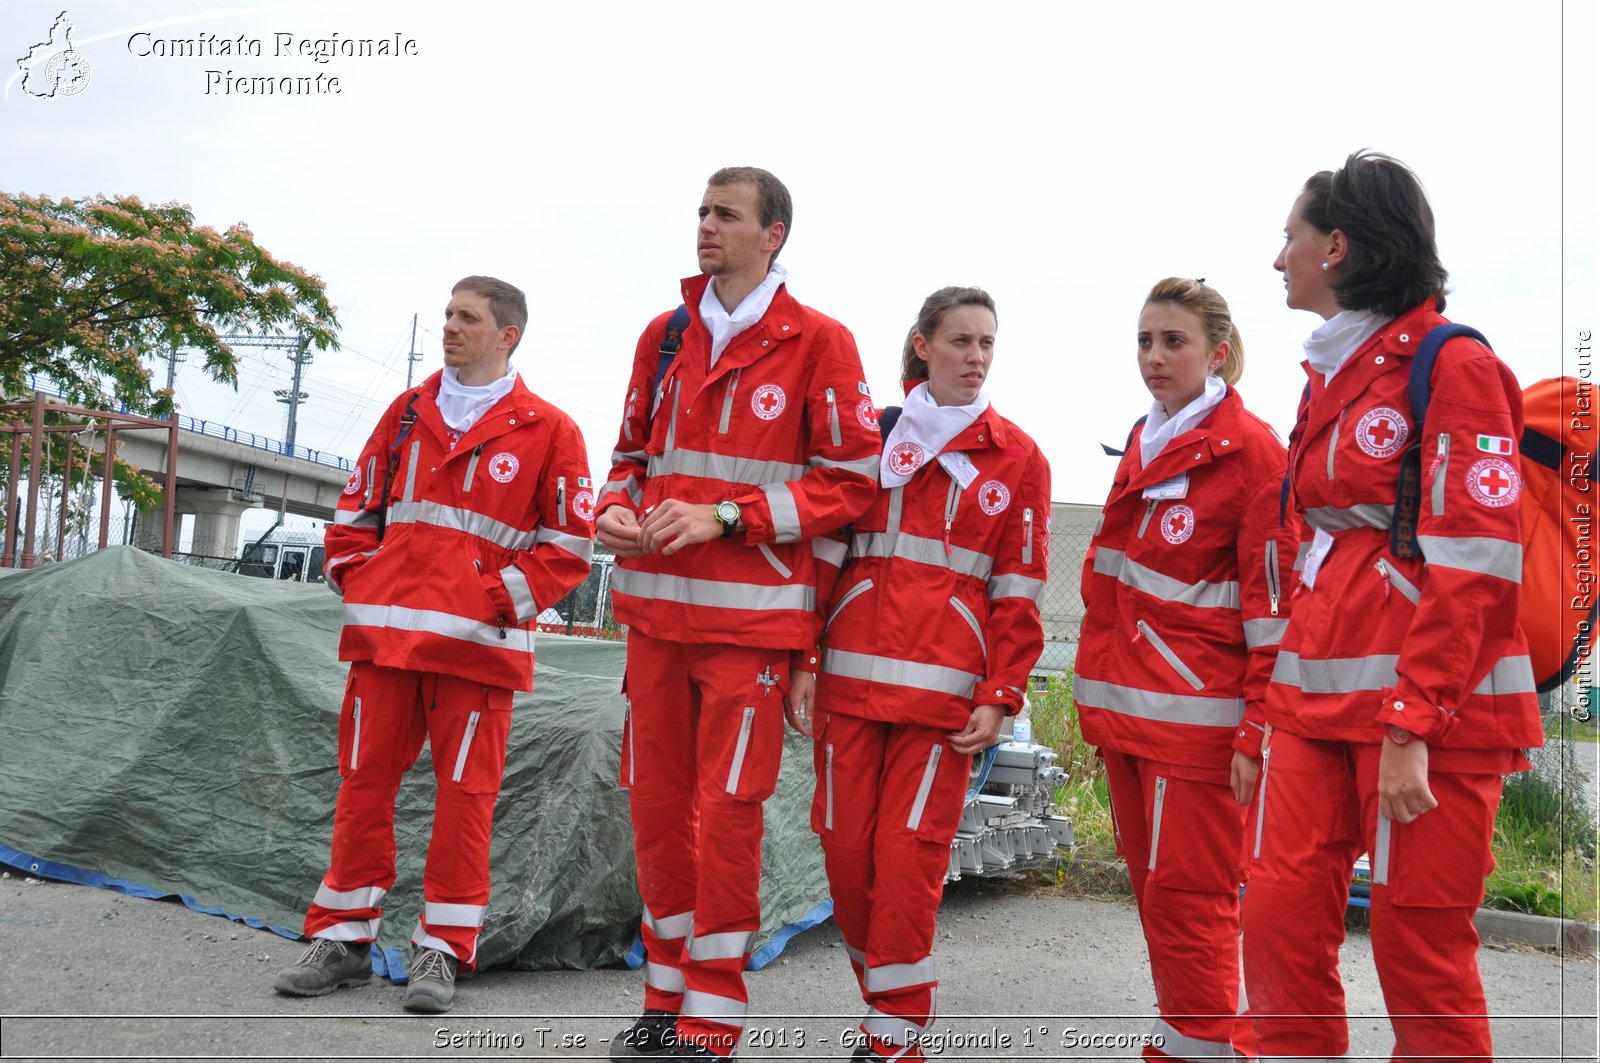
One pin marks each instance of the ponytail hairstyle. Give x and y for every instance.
(930, 317)
(1212, 309)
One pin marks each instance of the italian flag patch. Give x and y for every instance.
(1494, 445)
(583, 482)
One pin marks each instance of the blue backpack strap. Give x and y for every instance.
(671, 342)
(1283, 492)
(1113, 451)
(1408, 483)
(886, 420)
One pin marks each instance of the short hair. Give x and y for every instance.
(1391, 263)
(1212, 309)
(930, 317)
(506, 302)
(772, 198)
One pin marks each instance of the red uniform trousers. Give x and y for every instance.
(387, 713)
(703, 742)
(1188, 895)
(1319, 812)
(888, 801)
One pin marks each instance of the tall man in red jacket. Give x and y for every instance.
(738, 454)
(469, 512)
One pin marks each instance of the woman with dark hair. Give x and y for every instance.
(1403, 692)
(931, 632)
(1185, 594)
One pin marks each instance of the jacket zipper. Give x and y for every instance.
(672, 425)
(727, 401)
(1155, 821)
(851, 595)
(772, 559)
(466, 744)
(1149, 508)
(627, 415)
(739, 750)
(1440, 469)
(972, 622)
(1261, 799)
(1273, 590)
(411, 472)
(1027, 536)
(355, 734)
(1161, 647)
(952, 500)
(627, 722)
(561, 500)
(1392, 580)
(914, 820)
(833, 417)
(827, 808)
(372, 470)
(1333, 441)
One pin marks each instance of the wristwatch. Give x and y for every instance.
(1399, 735)
(727, 514)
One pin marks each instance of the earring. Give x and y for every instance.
(1324, 265)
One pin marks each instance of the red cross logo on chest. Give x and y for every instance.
(993, 497)
(1381, 432)
(1178, 523)
(503, 467)
(769, 401)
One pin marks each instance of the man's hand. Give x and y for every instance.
(981, 732)
(1403, 792)
(618, 530)
(1242, 775)
(672, 525)
(797, 703)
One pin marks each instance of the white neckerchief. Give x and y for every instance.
(1159, 429)
(1336, 339)
(927, 427)
(724, 326)
(461, 405)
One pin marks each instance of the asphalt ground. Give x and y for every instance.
(1026, 973)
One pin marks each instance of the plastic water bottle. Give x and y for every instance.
(1022, 726)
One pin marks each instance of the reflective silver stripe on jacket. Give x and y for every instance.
(923, 551)
(447, 625)
(722, 467)
(577, 545)
(331, 568)
(620, 456)
(1350, 675)
(785, 515)
(356, 518)
(931, 677)
(1264, 632)
(1014, 585)
(1151, 705)
(461, 520)
(1115, 563)
(715, 593)
(516, 584)
(830, 550)
(1481, 554)
(868, 466)
(1366, 515)
(411, 472)
(893, 976)
(629, 487)
(1300, 556)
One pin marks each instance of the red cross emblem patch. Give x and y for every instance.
(354, 486)
(503, 467)
(993, 497)
(907, 458)
(1381, 432)
(1177, 524)
(768, 401)
(1493, 482)
(867, 414)
(583, 505)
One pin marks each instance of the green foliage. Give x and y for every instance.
(1083, 798)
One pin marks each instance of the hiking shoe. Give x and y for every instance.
(325, 966)
(431, 982)
(655, 1032)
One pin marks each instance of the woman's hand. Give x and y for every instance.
(797, 703)
(981, 732)
(1242, 775)
(1403, 792)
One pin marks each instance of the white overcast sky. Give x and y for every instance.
(1063, 156)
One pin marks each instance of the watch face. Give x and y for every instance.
(728, 513)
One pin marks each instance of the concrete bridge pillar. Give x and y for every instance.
(216, 519)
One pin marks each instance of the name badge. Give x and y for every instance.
(1321, 543)
(960, 467)
(1177, 487)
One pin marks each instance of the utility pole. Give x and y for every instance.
(415, 356)
(293, 396)
(173, 358)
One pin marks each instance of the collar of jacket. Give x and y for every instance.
(988, 429)
(782, 321)
(1389, 350)
(515, 407)
(1219, 435)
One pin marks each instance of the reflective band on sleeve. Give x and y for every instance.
(349, 900)
(629, 487)
(1265, 632)
(868, 466)
(725, 1011)
(722, 467)
(1340, 675)
(931, 677)
(892, 1028)
(732, 945)
(900, 975)
(620, 456)
(1366, 515)
(1182, 1046)
(516, 584)
(577, 545)
(1115, 563)
(1013, 585)
(785, 516)
(830, 550)
(453, 914)
(1380, 852)
(661, 977)
(354, 930)
(462, 520)
(1151, 705)
(355, 518)
(923, 551)
(713, 593)
(446, 625)
(1510, 675)
(1481, 554)
(670, 927)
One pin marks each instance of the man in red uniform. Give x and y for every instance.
(739, 451)
(470, 510)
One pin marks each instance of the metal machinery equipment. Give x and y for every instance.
(1009, 823)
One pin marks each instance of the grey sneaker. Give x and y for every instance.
(431, 982)
(325, 966)
(653, 1033)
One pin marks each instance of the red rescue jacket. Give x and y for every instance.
(783, 425)
(1186, 587)
(479, 538)
(919, 633)
(1430, 643)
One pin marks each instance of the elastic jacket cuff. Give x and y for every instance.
(1399, 708)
